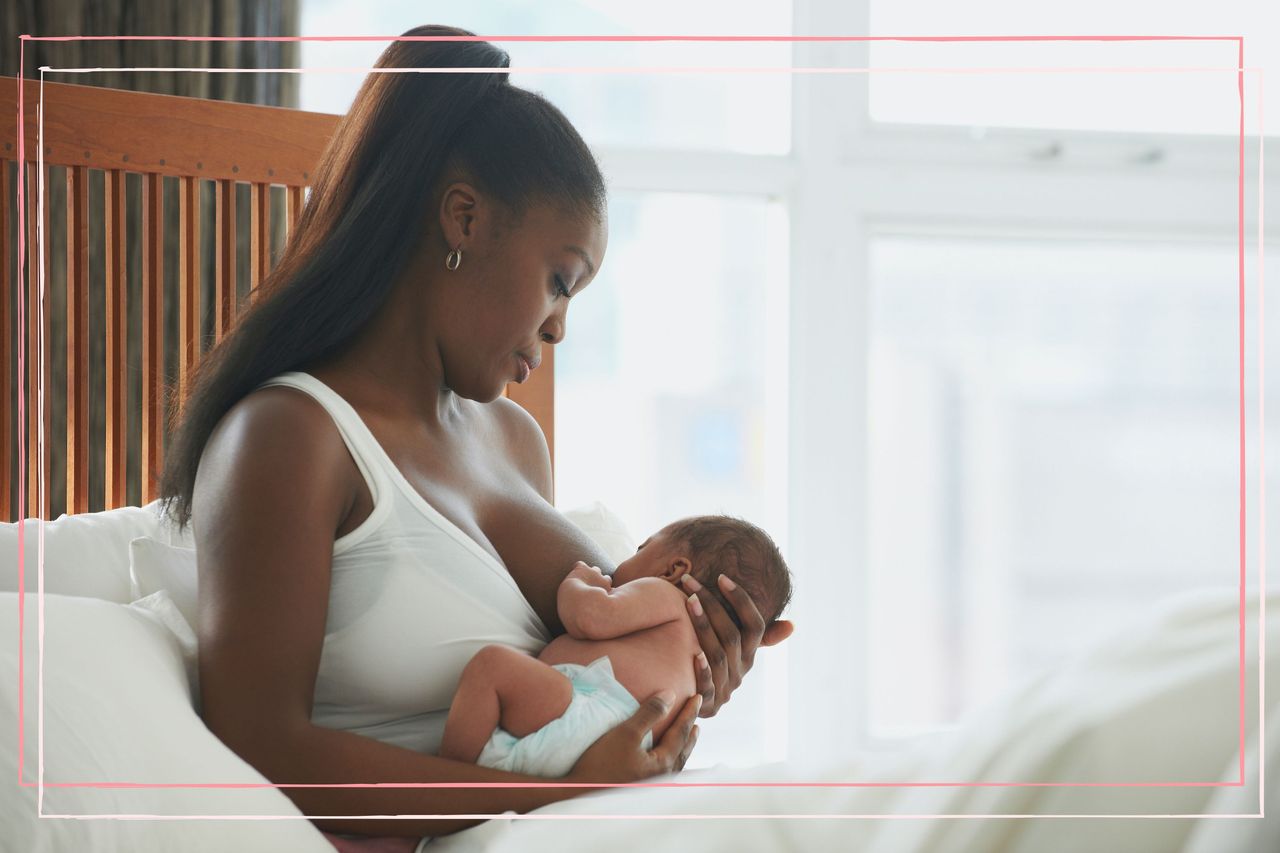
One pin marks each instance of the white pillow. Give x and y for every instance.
(155, 566)
(160, 607)
(117, 709)
(85, 554)
(605, 528)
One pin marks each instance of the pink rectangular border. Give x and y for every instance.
(1101, 38)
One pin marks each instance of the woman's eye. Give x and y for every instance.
(560, 288)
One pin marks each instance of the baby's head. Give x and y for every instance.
(707, 546)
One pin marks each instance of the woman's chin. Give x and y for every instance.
(487, 395)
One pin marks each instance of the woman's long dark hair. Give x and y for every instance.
(373, 191)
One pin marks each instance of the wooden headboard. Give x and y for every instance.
(110, 292)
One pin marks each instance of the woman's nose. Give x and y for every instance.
(553, 330)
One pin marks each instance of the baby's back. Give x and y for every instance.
(644, 662)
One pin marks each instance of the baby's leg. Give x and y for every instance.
(502, 687)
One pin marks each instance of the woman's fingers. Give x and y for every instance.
(619, 754)
(749, 615)
(777, 631)
(712, 649)
(679, 739)
(715, 615)
(688, 746)
(730, 651)
(705, 681)
(730, 639)
(650, 712)
(723, 629)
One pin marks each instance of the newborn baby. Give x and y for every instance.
(627, 638)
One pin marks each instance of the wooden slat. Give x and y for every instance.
(188, 279)
(168, 135)
(293, 204)
(32, 400)
(40, 464)
(77, 438)
(537, 396)
(259, 236)
(11, 376)
(152, 422)
(115, 350)
(224, 263)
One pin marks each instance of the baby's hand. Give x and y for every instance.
(591, 575)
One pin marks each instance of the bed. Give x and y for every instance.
(106, 704)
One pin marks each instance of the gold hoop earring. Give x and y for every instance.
(453, 259)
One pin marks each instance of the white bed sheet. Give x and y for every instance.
(1156, 701)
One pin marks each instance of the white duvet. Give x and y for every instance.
(1157, 700)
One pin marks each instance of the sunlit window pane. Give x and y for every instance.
(671, 398)
(1183, 101)
(1054, 443)
(697, 110)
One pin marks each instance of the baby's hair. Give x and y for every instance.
(722, 544)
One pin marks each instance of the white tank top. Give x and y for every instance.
(411, 599)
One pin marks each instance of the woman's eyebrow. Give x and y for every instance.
(585, 257)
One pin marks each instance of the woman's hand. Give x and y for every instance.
(727, 653)
(617, 755)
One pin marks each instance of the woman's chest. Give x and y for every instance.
(476, 485)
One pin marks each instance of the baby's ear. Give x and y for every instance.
(677, 569)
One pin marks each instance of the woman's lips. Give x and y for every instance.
(523, 370)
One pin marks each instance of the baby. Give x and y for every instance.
(627, 638)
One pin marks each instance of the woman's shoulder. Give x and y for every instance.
(278, 434)
(280, 410)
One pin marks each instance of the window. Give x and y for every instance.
(1054, 443)
(1014, 352)
(1187, 102)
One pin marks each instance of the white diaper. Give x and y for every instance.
(599, 703)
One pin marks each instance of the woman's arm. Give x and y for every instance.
(273, 487)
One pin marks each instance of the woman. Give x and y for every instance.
(367, 508)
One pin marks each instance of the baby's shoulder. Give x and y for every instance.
(668, 595)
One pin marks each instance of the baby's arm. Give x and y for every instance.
(591, 609)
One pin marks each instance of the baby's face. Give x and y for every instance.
(657, 557)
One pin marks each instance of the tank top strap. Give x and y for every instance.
(355, 433)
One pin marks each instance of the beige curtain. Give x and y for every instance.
(136, 17)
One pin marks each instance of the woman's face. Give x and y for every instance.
(507, 299)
